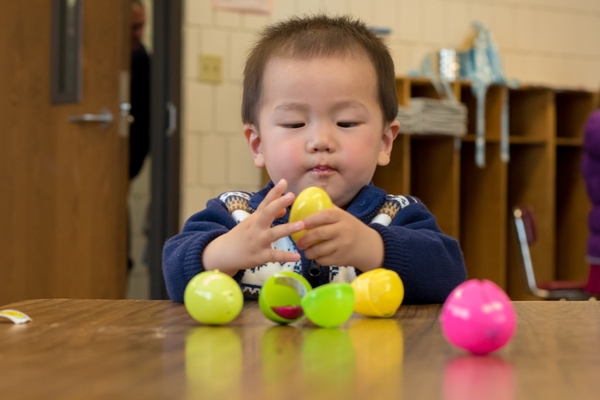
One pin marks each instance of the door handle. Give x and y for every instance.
(104, 118)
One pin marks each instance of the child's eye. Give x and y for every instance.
(347, 124)
(293, 126)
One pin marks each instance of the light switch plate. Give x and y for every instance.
(211, 68)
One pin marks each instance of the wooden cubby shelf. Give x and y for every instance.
(475, 204)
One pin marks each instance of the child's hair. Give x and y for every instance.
(314, 36)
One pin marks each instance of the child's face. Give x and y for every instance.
(320, 124)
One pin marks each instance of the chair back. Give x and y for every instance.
(527, 235)
(529, 222)
(554, 290)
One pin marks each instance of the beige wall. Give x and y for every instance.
(551, 42)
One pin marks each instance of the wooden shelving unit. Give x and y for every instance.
(475, 204)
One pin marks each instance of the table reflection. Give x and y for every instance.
(328, 363)
(300, 361)
(477, 377)
(379, 349)
(213, 362)
(280, 360)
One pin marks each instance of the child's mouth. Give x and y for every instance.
(322, 170)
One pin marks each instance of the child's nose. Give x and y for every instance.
(323, 140)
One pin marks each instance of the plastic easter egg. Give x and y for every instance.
(378, 293)
(478, 317)
(280, 296)
(329, 305)
(308, 202)
(213, 298)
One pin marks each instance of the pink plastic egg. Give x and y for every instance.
(478, 317)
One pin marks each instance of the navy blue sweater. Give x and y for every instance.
(429, 262)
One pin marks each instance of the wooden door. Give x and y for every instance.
(63, 185)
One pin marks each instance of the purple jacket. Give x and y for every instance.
(590, 167)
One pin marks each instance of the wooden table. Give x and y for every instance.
(116, 349)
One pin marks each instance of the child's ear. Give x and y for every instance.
(253, 139)
(387, 140)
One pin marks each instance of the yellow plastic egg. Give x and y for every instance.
(308, 202)
(378, 293)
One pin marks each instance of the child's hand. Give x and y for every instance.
(249, 243)
(335, 237)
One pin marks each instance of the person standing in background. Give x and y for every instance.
(139, 131)
(590, 168)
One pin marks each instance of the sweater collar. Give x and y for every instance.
(368, 199)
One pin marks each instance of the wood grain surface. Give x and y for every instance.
(101, 349)
(63, 202)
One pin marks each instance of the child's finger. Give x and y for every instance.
(323, 217)
(275, 209)
(275, 193)
(279, 231)
(282, 256)
(322, 252)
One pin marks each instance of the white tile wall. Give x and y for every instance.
(550, 42)
(307, 6)
(242, 174)
(241, 42)
(526, 29)
(228, 108)
(254, 21)
(215, 41)
(282, 10)
(198, 12)
(213, 159)
(195, 199)
(503, 25)
(458, 21)
(362, 8)
(199, 106)
(191, 45)
(191, 153)
(402, 56)
(228, 19)
(434, 22)
(384, 14)
(409, 20)
(482, 12)
(336, 7)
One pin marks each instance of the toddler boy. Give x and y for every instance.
(319, 109)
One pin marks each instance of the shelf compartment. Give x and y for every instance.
(435, 179)
(531, 182)
(572, 210)
(422, 87)
(572, 110)
(493, 110)
(395, 177)
(531, 113)
(483, 215)
(471, 137)
(527, 140)
(573, 142)
(403, 91)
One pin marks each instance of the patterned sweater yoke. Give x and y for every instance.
(237, 204)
